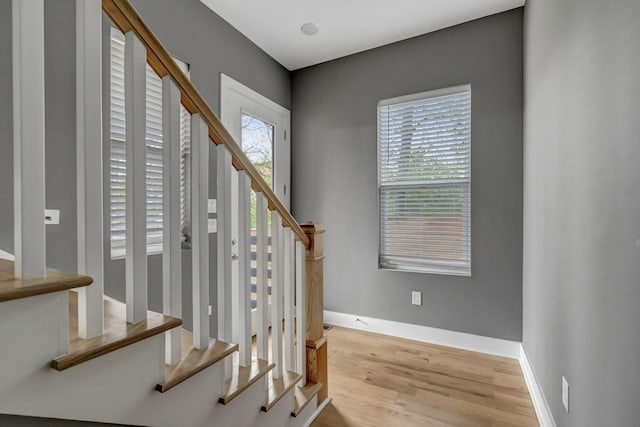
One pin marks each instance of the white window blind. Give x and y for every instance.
(118, 185)
(424, 182)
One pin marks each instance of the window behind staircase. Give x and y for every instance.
(117, 168)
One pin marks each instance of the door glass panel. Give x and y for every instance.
(257, 143)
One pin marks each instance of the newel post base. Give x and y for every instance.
(317, 368)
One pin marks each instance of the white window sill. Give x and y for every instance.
(427, 270)
(121, 253)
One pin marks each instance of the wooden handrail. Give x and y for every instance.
(126, 18)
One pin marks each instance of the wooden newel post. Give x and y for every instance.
(317, 368)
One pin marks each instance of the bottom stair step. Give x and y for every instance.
(303, 396)
(194, 361)
(243, 377)
(277, 388)
(117, 332)
(12, 288)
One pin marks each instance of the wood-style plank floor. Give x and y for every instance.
(381, 381)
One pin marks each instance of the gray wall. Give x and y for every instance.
(582, 207)
(334, 174)
(191, 32)
(59, 131)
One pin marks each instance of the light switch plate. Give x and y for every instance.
(416, 298)
(212, 225)
(52, 216)
(212, 206)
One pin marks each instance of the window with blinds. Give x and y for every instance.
(118, 184)
(424, 182)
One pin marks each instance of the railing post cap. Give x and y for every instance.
(311, 227)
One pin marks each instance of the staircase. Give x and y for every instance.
(71, 352)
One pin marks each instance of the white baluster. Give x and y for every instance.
(224, 272)
(301, 312)
(276, 293)
(135, 73)
(28, 138)
(172, 234)
(289, 300)
(200, 235)
(262, 294)
(244, 269)
(89, 165)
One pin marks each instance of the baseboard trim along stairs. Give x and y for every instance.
(460, 340)
(317, 412)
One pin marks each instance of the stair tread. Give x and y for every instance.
(54, 281)
(194, 361)
(117, 332)
(278, 388)
(243, 377)
(303, 396)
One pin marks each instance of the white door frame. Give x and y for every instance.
(236, 99)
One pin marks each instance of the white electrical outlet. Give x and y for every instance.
(212, 225)
(210, 310)
(416, 298)
(565, 394)
(52, 216)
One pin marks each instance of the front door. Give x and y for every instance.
(262, 128)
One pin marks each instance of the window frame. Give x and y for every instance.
(456, 268)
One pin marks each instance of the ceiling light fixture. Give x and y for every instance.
(310, 29)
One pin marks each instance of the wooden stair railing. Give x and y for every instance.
(317, 370)
(126, 18)
(293, 358)
(297, 278)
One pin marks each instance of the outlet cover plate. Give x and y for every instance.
(416, 298)
(52, 216)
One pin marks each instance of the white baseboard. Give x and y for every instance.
(317, 412)
(6, 255)
(461, 340)
(545, 418)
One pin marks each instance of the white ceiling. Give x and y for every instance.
(346, 26)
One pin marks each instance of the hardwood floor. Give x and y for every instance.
(381, 381)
